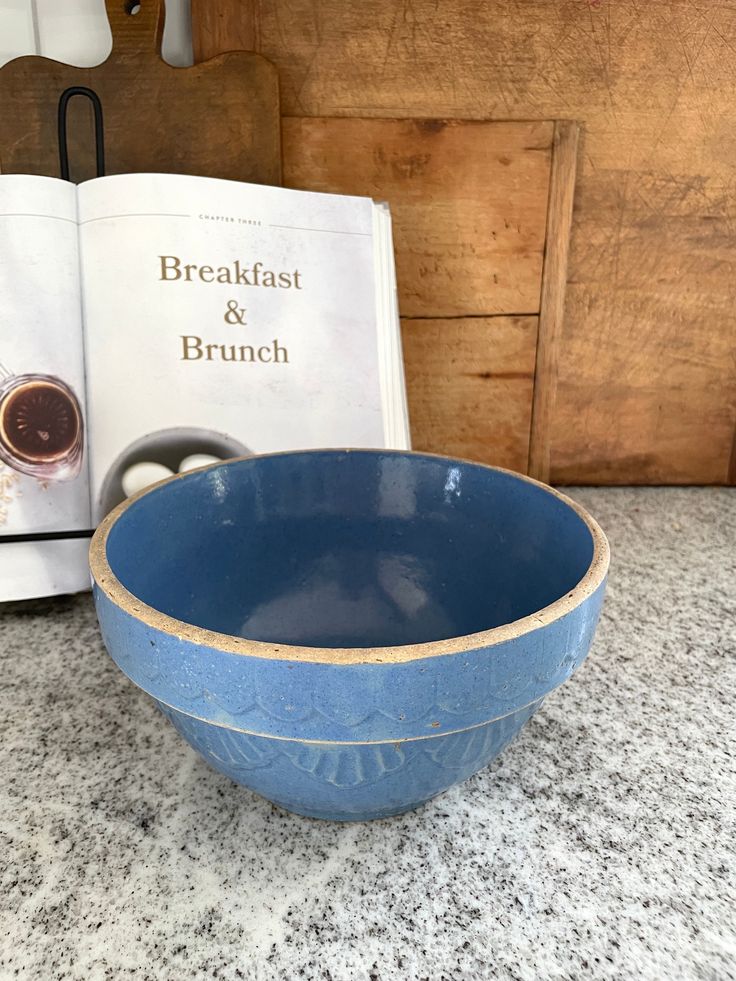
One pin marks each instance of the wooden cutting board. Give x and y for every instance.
(469, 203)
(646, 392)
(217, 119)
(481, 219)
(481, 216)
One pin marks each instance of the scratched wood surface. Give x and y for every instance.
(563, 174)
(469, 204)
(647, 388)
(221, 28)
(470, 383)
(219, 118)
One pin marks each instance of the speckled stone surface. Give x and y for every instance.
(602, 844)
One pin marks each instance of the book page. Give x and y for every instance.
(223, 319)
(393, 383)
(44, 494)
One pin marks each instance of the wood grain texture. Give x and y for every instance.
(552, 304)
(220, 118)
(647, 387)
(221, 27)
(470, 383)
(468, 202)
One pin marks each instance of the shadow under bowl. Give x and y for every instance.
(348, 632)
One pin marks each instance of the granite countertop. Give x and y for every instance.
(601, 844)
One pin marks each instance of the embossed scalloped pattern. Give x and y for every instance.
(437, 762)
(246, 694)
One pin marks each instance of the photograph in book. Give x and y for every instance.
(155, 323)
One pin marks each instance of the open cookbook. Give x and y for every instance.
(153, 323)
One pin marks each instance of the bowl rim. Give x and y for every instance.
(106, 581)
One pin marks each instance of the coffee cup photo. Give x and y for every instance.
(41, 427)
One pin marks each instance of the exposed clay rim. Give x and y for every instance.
(108, 582)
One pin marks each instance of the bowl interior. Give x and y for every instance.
(349, 549)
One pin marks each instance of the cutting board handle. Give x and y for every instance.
(137, 27)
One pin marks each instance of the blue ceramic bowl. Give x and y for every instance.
(348, 632)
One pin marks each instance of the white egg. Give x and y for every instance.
(197, 460)
(142, 475)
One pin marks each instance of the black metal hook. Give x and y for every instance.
(66, 95)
